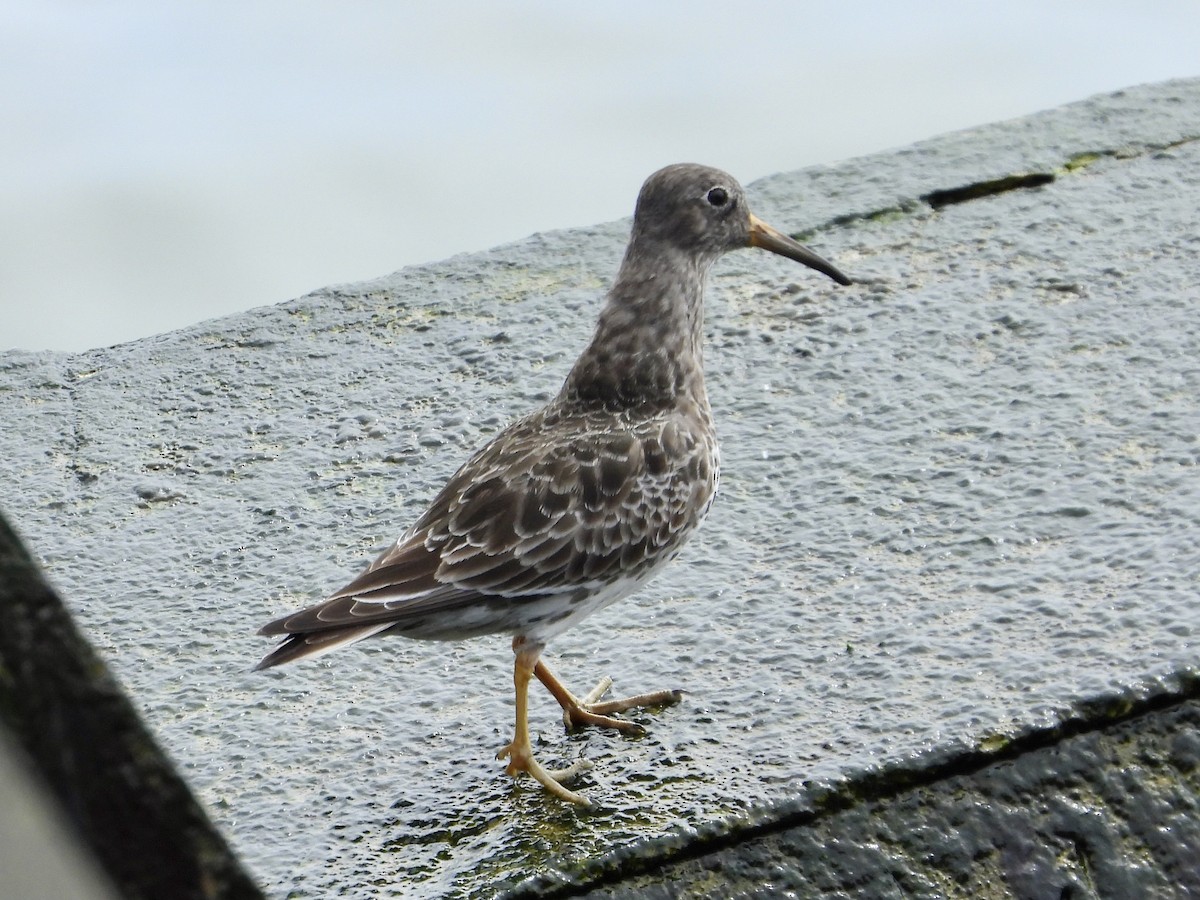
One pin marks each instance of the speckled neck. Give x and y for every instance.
(647, 349)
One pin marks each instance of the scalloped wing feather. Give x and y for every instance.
(526, 519)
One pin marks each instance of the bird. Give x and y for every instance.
(579, 503)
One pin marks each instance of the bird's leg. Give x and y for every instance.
(520, 751)
(589, 711)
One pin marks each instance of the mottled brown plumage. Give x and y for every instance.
(579, 503)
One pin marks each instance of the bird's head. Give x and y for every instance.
(702, 211)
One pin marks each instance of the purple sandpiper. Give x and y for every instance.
(578, 504)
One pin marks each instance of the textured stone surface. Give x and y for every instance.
(959, 504)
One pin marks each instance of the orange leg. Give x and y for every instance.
(520, 751)
(589, 711)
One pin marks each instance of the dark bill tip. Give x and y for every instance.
(764, 236)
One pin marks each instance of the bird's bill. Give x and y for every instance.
(764, 236)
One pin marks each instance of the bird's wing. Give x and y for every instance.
(527, 518)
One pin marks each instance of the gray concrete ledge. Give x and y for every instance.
(960, 510)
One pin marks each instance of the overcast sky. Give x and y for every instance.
(166, 163)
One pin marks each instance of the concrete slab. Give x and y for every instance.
(959, 508)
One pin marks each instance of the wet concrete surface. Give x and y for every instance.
(959, 504)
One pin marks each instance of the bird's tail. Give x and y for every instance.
(318, 643)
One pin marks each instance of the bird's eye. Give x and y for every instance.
(718, 196)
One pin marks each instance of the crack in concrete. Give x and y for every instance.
(978, 190)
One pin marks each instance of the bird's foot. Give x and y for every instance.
(590, 711)
(520, 759)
